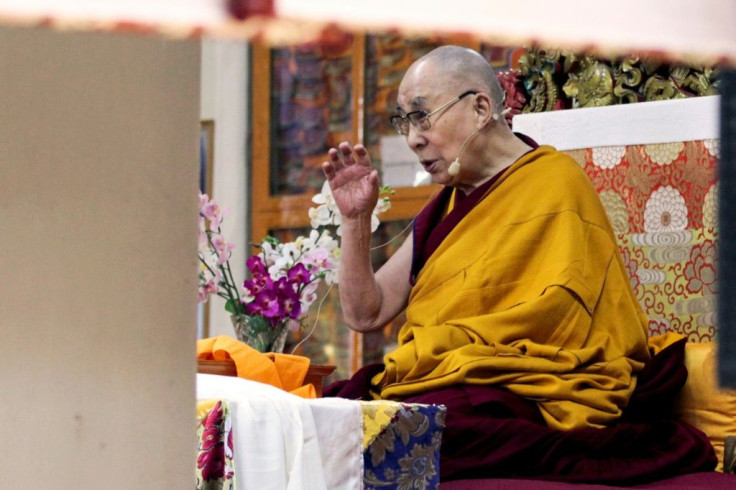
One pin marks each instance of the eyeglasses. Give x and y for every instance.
(420, 119)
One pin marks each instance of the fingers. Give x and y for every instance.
(362, 156)
(344, 156)
(332, 165)
(345, 151)
(333, 157)
(329, 170)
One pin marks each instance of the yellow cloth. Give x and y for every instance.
(281, 370)
(528, 292)
(702, 403)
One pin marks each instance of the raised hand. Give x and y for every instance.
(354, 182)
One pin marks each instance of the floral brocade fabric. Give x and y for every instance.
(215, 468)
(662, 203)
(401, 445)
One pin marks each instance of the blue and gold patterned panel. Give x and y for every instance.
(401, 444)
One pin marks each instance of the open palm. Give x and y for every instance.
(353, 180)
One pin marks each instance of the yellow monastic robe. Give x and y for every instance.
(528, 292)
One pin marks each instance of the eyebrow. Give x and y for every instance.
(416, 103)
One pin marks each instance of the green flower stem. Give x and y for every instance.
(228, 296)
(228, 282)
(206, 265)
(236, 298)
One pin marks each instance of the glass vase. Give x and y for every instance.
(258, 332)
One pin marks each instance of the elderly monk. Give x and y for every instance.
(520, 315)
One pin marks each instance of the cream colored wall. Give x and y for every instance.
(224, 92)
(98, 173)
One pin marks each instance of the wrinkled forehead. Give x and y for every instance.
(421, 88)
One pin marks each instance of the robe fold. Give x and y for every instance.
(493, 433)
(527, 292)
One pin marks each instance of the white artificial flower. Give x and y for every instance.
(710, 207)
(332, 277)
(281, 259)
(210, 259)
(375, 222)
(616, 210)
(308, 295)
(327, 193)
(320, 216)
(664, 153)
(267, 253)
(383, 205)
(309, 242)
(608, 156)
(327, 204)
(665, 211)
(713, 147)
(289, 251)
(327, 242)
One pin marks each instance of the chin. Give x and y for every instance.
(442, 178)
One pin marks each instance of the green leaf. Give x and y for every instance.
(230, 307)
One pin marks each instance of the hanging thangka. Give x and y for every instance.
(311, 111)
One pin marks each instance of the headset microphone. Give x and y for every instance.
(454, 167)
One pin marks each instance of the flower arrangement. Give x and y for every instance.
(284, 277)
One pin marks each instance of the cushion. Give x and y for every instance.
(702, 403)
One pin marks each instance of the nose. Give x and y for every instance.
(415, 139)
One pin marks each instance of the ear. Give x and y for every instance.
(483, 106)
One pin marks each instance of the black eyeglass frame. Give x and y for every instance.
(420, 119)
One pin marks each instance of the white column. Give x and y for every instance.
(98, 181)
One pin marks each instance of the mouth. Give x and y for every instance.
(429, 165)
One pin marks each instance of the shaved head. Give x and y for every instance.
(465, 68)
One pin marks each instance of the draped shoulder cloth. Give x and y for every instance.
(528, 292)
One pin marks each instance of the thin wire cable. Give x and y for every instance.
(407, 226)
(316, 320)
(395, 237)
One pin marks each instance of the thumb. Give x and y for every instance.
(373, 178)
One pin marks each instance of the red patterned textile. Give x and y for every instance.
(661, 200)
